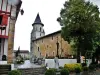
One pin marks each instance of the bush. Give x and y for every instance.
(64, 72)
(54, 69)
(77, 70)
(19, 60)
(71, 67)
(14, 72)
(4, 57)
(98, 65)
(84, 64)
(85, 68)
(92, 67)
(60, 67)
(50, 72)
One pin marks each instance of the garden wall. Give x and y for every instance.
(51, 64)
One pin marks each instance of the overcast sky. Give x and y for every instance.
(49, 11)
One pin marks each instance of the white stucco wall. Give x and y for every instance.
(36, 31)
(6, 47)
(51, 63)
(7, 28)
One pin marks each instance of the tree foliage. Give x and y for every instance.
(80, 22)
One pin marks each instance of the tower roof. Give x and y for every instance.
(37, 20)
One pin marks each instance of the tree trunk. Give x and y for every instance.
(78, 50)
(78, 56)
(97, 58)
(93, 59)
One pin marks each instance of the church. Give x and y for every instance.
(48, 46)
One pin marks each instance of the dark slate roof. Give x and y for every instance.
(37, 20)
(59, 31)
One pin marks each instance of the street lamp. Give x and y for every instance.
(57, 44)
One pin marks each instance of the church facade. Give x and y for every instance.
(50, 45)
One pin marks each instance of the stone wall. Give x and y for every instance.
(46, 46)
(11, 40)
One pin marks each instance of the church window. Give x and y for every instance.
(46, 55)
(35, 28)
(38, 48)
(40, 34)
(62, 50)
(40, 29)
(42, 40)
(52, 37)
(47, 46)
(53, 53)
(43, 31)
(36, 42)
(40, 53)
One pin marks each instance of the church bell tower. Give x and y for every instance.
(36, 32)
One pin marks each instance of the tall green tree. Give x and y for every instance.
(80, 22)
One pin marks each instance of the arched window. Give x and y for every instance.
(40, 29)
(35, 28)
(38, 48)
(40, 34)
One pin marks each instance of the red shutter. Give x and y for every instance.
(5, 20)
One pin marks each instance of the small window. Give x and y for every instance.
(40, 34)
(1, 16)
(40, 29)
(52, 37)
(35, 28)
(62, 50)
(38, 48)
(0, 40)
(46, 55)
(43, 31)
(42, 40)
(53, 53)
(40, 53)
(47, 46)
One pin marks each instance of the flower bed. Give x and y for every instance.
(72, 67)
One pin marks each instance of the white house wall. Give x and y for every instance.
(5, 47)
(13, 12)
(5, 6)
(1, 53)
(7, 28)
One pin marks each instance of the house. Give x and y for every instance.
(22, 53)
(8, 17)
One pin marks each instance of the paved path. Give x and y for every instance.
(27, 64)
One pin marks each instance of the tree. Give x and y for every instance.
(80, 23)
(17, 52)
